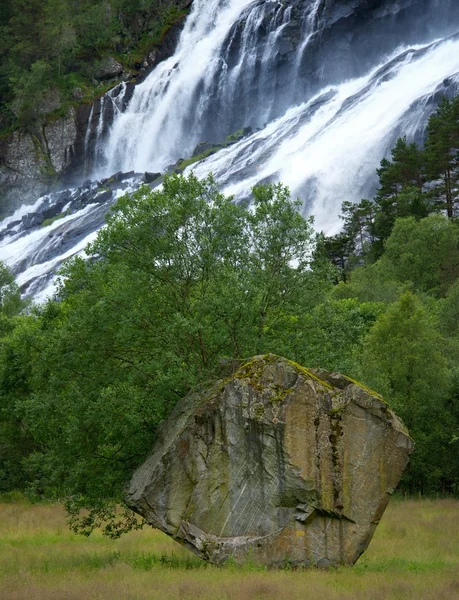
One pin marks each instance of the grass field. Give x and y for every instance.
(414, 555)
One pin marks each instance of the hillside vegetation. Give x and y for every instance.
(51, 50)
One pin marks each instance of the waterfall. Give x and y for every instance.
(326, 149)
(150, 133)
(323, 114)
(221, 78)
(87, 137)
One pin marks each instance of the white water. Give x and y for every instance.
(325, 149)
(218, 69)
(150, 133)
(329, 156)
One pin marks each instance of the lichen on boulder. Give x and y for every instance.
(277, 464)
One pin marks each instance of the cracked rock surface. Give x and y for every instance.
(277, 464)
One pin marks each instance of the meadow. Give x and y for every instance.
(414, 555)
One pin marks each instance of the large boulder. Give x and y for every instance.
(277, 463)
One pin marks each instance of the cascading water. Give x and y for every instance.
(238, 63)
(109, 107)
(221, 78)
(326, 149)
(149, 134)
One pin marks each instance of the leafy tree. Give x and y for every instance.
(372, 283)
(449, 312)
(404, 171)
(409, 201)
(10, 297)
(337, 249)
(358, 226)
(59, 35)
(17, 356)
(422, 254)
(13, 440)
(31, 89)
(425, 252)
(331, 335)
(183, 277)
(25, 29)
(403, 360)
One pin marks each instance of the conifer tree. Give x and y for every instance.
(442, 154)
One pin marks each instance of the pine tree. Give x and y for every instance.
(442, 154)
(405, 170)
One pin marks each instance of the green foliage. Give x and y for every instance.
(425, 252)
(184, 278)
(442, 154)
(14, 441)
(45, 44)
(31, 88)
(405, 171)
(404, 360)
(331, 335)
(372, 283)
(10, 297)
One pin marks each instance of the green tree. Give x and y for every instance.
(425, 252)
(442, 154)
(330, 336)
(30, 92)
(25, 26)
(406, 169)
(410, 201)
(59, 35)
(372, 283)
(14, 441)
(10, 296)
(403, 359)
(183, 277)
(17, 355)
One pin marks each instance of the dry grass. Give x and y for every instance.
(414, 555)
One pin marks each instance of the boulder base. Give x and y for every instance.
(277, 464)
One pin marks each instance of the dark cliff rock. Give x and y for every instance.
(31, 163)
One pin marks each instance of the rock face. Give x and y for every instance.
(277, 464)
(31, 164)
